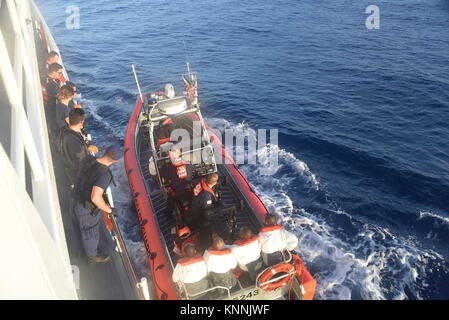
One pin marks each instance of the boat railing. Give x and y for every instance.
(276, 279)
(203, 292)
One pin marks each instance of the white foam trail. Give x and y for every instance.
(341, 269)
(423, 214)
(285, 158)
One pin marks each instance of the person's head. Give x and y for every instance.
(72, 85)
(76, 119)
(218, 243)
(54, 70)
(52, 57)
(189, 250)
(65, 93)
(212, 179)
(245, 233)
(270, 219)
(111, 155)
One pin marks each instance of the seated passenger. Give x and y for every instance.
(274, 239)
(178, 174)
(248, 252)
(165, 131)
(192, 272)
(220, 261)
(62, 109)
(200, 214)
(182, 238)
(72, 144)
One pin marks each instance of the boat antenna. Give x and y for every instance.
(137, 82)
(187, 59)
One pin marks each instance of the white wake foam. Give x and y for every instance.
(375, 265)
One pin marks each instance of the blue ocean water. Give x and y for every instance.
(363, 177)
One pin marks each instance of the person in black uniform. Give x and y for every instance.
(93, 178)
(178, 174)
(52, 57)
(200, 215)
(62, 109)
(73, 145)
(50, 92)
(72, 104)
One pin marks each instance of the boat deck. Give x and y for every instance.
(230, 197)
(108, 281)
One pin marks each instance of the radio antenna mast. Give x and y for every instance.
(187, 59)
(137, 82)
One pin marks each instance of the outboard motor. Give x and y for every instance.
(169, 91)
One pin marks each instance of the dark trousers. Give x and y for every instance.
(89, 227)
(201, 222)
(271, 259)
(193, 288)
(226, 279)
(254, 268)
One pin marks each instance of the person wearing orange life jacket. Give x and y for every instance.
(220, 261)
(200, 214)
(247, 250)
(178, 174)
(182, 238)
(274, 240)
(192, 272)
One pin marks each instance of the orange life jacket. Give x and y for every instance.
(202, 185)
(186, 261)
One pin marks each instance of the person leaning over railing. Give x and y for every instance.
(72, 104)
(93, 179)
(52, 57)
(72, 145)
(50, 91)
(62, 108)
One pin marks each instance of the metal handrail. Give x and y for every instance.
(184, 289)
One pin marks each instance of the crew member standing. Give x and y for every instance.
(200, 214)
(62, 110)
(94, 177)
(52, 57)
(73, 145)
(274, 240)
(179, 177)
(50, 91)
(192, 272)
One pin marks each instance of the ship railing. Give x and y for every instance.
(141, 287)
(29, 152)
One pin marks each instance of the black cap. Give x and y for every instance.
(115, 152)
